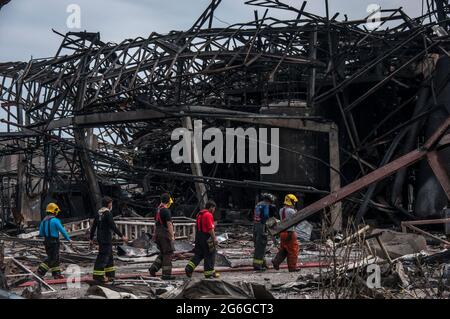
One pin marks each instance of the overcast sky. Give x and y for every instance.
(25, 25)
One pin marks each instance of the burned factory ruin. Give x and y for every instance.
(344, 123)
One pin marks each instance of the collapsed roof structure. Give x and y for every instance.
(96, 119)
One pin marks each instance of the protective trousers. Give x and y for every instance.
(203, 250)
(289, 249)
(51, 263)
(260, 243)
(104, 264)
(166, 249)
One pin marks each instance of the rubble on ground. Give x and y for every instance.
(330, 267)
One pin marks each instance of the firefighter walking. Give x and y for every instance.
(50, 228)
(205, 242)
(104, 225)
(165, 239)
(289, 243)
(263, 211)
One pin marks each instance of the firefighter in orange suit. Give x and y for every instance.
(289, 243)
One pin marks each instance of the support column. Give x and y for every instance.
(21, 161)
(335, 178)
(196, 167)
(312, 76)
(21, 188)
(81, 139)
(91, 178)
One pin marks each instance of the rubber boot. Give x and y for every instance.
(276, 262)
(215, 275)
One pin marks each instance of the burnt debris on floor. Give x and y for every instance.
(410, 266)
(364, 118)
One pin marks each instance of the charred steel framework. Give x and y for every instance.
(100, 114)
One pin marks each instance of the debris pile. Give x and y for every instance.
(361, 262)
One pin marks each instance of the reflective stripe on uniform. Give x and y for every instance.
(258, 261)
(55, 269)
(44, 266)
(191, 264)
(110, 269)
(99, 272)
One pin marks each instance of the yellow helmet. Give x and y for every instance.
(170, 202)
(290, 199)
(52, 208)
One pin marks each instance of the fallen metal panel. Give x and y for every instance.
(32, 274)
